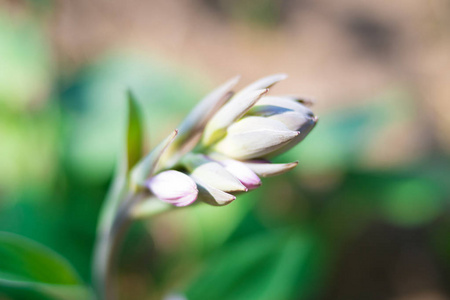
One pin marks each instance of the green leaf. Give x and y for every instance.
(28, 268)
(133, 152)
(135, 132)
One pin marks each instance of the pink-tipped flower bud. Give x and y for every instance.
(173, 187)
(245, 175)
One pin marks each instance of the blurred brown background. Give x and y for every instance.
(349, 56)
(335, 52)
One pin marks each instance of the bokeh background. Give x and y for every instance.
(366, 213)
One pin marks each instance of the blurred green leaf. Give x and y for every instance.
(274, 265)
(412, 202)
(25, 76)
(28, 268)
(134, 133)
(24, 137)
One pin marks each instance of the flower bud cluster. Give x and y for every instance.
(224, 145)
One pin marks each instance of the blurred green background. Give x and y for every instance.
(365, 215)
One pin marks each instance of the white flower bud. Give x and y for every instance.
(254, 137)
(245, 175)
(212, 173)
(173, 187)
(237, 107)
(267, 169)
(291, 113)
(230, 112)
(190, 130)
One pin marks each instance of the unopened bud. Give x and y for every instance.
(291, 113)
(212, 173)
(254, 137)
(173, 187)
(245, 175)
(230, 112)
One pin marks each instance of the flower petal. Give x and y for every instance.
(254, 137)
(264, 83)
(185, 201)
(245, 175)
(287, 110)
(304, 131)
(212, 195)
(230, 112)
(267, 169)
(286, 103)
(173, 187)
(212, 173)
(193, 125)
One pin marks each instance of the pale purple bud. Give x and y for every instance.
(173, 187)
(245, 175)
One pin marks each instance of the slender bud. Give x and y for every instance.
(265, 168)
(230, 112)
(190, 130)
(173, 187)
(264, 83)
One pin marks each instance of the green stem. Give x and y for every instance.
(109, 238)
(111, 233)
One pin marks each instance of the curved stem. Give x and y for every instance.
(107, 248)
(110, 235)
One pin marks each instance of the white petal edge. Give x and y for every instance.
(213, 196)
(267, 169)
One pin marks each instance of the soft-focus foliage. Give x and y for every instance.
(30, 269)
(368, 199)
